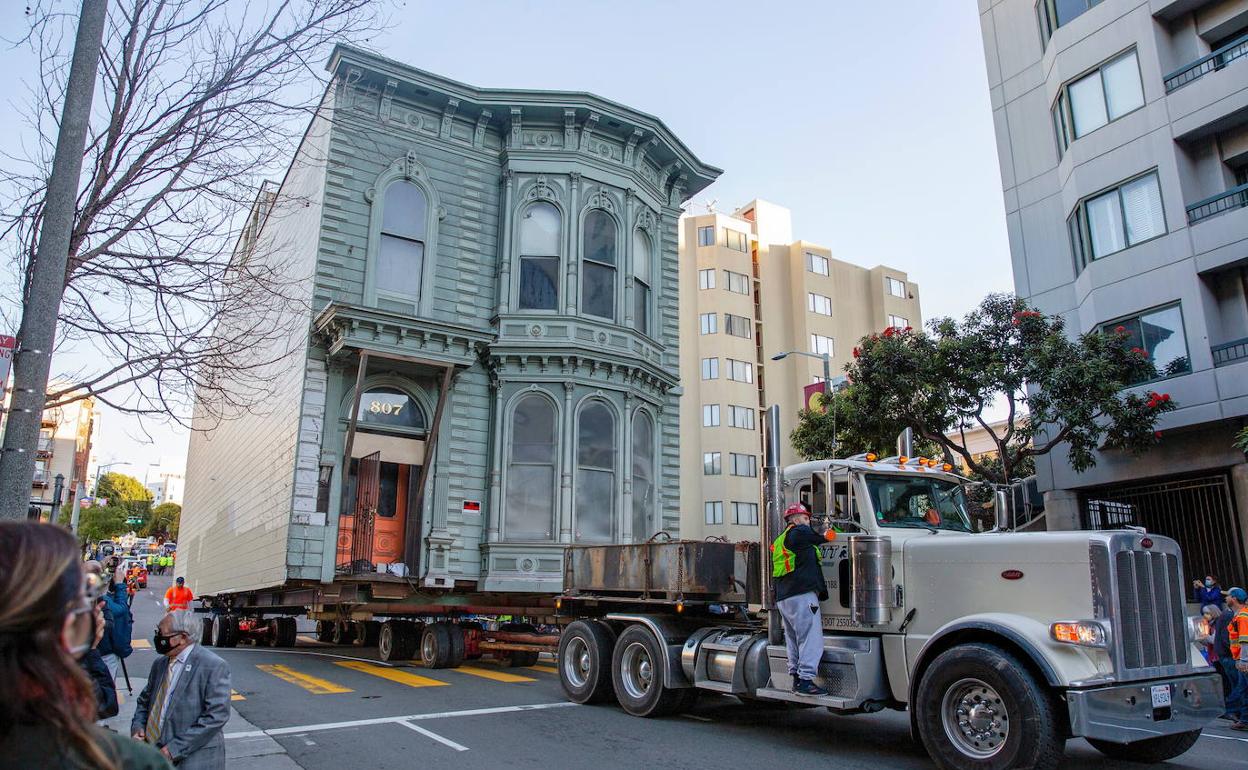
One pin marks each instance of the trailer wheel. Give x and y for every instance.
(366, 633)
(273, 637)
(437, 646)
(397, 640)
(979, 707)
(343, 633)
(1150, 750)
(205, 635)
(324, 630)
(585, 661)
(226, 631)
(637, 674)
(287, 632)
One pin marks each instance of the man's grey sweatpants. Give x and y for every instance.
(803, 633)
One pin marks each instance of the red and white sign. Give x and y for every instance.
(472, 506)
(7, 345)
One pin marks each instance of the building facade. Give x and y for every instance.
(1122, 130)
(748, 292)
(64, 448)
(494, 349)
(166, 483)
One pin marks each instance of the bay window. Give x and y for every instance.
(541, 230)
(530, 490)
(595, 474)
(1102, 96)
(1116, 219)
(643, 475)
(642, 259)
(598, 265)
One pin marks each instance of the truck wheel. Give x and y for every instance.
(205, 635)
(437, 646)
(324, 630)
(366, 632)
(1150, 750)
(978, 707)
(637, 675)
(287, 632)
(397, 640)
(226, 631)
(585, 661)
(343, 633)
(273, 636)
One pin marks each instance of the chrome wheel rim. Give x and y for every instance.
(975, 718)
(385, 640)
(636, 671)
(576, 662)
(427, 647)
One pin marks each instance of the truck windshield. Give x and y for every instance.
(915, 501)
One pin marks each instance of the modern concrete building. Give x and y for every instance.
(166, 481)
(748, 292)
(1122, 129)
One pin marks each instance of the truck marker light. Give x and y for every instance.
(1147, 542)
(1012, 574)
(903, 460)
(1081, 633)
(558, 602)
(871, 457)
(946, 467)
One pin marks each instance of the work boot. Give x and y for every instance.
(808, 687)
(796, 680)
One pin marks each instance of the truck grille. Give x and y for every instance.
(1151, 628)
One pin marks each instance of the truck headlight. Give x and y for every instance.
(1197, 627)
(1085, 633)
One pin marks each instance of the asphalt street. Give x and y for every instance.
(331, 708)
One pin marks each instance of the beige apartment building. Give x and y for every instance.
(749, 291)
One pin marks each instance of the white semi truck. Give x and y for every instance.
(1000, 645)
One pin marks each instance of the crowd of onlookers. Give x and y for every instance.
(1225, 643)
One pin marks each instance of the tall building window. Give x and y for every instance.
(820, 344)
(643, 476)
(738, 283)
(740, 371)
(745, 513)
(401, 249)
(595, 474)
(817, 303)
(736, 241)
(706, 279)
(741, 417)
(706, 236)
(1102, 96)
(1057, 13)
(714, 512)
(744, 465)
(738, 326)
(897, 322)
(642, 260)
(710, 415)
(598, 265)
(708, 323)
(817, 264)
(710, 368)
(1160, 334)
(530, 493)
(1116, 219)
(711, 464)
(541, 230)
(896, 288)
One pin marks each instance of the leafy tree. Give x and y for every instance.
(164, 522)
(1059, 391)
(837, 432)
(125, 492)
(102, 522)
(1241, 440)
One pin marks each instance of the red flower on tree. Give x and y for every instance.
(1120, 330)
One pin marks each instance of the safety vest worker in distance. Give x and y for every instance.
(1237, 630)
(179, 598)
(783, 561)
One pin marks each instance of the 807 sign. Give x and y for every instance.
(390, 407)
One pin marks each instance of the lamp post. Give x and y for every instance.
(827, 383)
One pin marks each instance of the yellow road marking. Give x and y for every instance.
(497, 676)
(234, 695)
(547, 669)
(140, 644)
(393, 674)
(312, 684)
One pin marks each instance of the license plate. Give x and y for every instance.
(1161, 695)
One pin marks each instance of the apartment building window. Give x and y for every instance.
(745, 513)
(1058, 13)
(1159, 333)
(817, 303)
(738, 326)
(897, 322)
(706, 236)
(740, 417)
(709, 323)
(735, 240)
(740, 371)
(1102, 96)
(744, 465)
(710, 415)
(712, 465)
(714, 511)
(820, 344)
(895, 287)
(710, 368)
(45, 441)
(738, 283)
(706, 279)
(1116, 219)
(817, 264)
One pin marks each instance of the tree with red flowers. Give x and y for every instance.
(1058, 391)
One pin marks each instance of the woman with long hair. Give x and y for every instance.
(47, 614)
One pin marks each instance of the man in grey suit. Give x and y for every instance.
(184, 707)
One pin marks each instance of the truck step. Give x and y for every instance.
(771, 693)
(713, 686)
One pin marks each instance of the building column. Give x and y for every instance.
(566, 466)
(1061, 509)
(504, 263)
(572, 252)
(494, 526)
(626, 468)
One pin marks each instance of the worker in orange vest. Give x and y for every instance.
(178, 597)
(1237, 630)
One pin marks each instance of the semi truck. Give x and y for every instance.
(1000, 645)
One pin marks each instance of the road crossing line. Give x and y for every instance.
(312, 684)
(275, 731)
(497, 676)
(393, 674)
(236, 695)
(434, 736)
(140, 644)
(547, 669)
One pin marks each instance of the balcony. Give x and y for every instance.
(1216, 60)
(1234, 198)
(1230, 352)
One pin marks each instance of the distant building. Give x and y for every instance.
(750, 291)
(64, 448)
(166, 485)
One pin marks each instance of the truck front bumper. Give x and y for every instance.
(1126, 713)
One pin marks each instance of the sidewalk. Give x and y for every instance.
(255, 752)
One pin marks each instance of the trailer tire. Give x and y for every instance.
(437, 646)
(585, 661)
(397, 640)
(273, 637)
(287, 632)
(343, 633)
(637, 675)
(324, 630)
(205, 634)
(226, 630)
(1150, 750)
(366, 633)
(1017, 716)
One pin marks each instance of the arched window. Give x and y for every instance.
(643, 477)
(385, 408)
(595, 474)
(529, 499)
(401, 249)
(598, 265)
(541, 228)
(642, 258)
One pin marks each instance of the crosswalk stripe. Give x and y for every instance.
(312, 684)
(547, 669)
(497, 676)
(234, 695)
(140, 644)
(393, 674)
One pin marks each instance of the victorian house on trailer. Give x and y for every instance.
(485, 364)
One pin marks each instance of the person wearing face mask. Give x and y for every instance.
(1209, 592)
(184, 706)
(47, 623)
(93, 661)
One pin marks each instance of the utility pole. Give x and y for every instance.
(37, 333)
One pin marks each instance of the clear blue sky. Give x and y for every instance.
(870, 121)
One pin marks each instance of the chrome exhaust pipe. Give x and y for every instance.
(773, 499)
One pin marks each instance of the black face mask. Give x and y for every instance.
(162, 644)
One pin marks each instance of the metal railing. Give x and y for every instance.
(1230, 352)
(1234, 198)
(1203, 66)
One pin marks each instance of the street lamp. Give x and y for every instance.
(827, 383)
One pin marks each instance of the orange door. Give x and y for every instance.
(396, 480)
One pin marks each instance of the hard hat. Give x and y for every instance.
(794, 510)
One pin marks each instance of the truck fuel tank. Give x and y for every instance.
(871, 579)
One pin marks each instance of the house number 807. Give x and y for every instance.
(381, 407)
